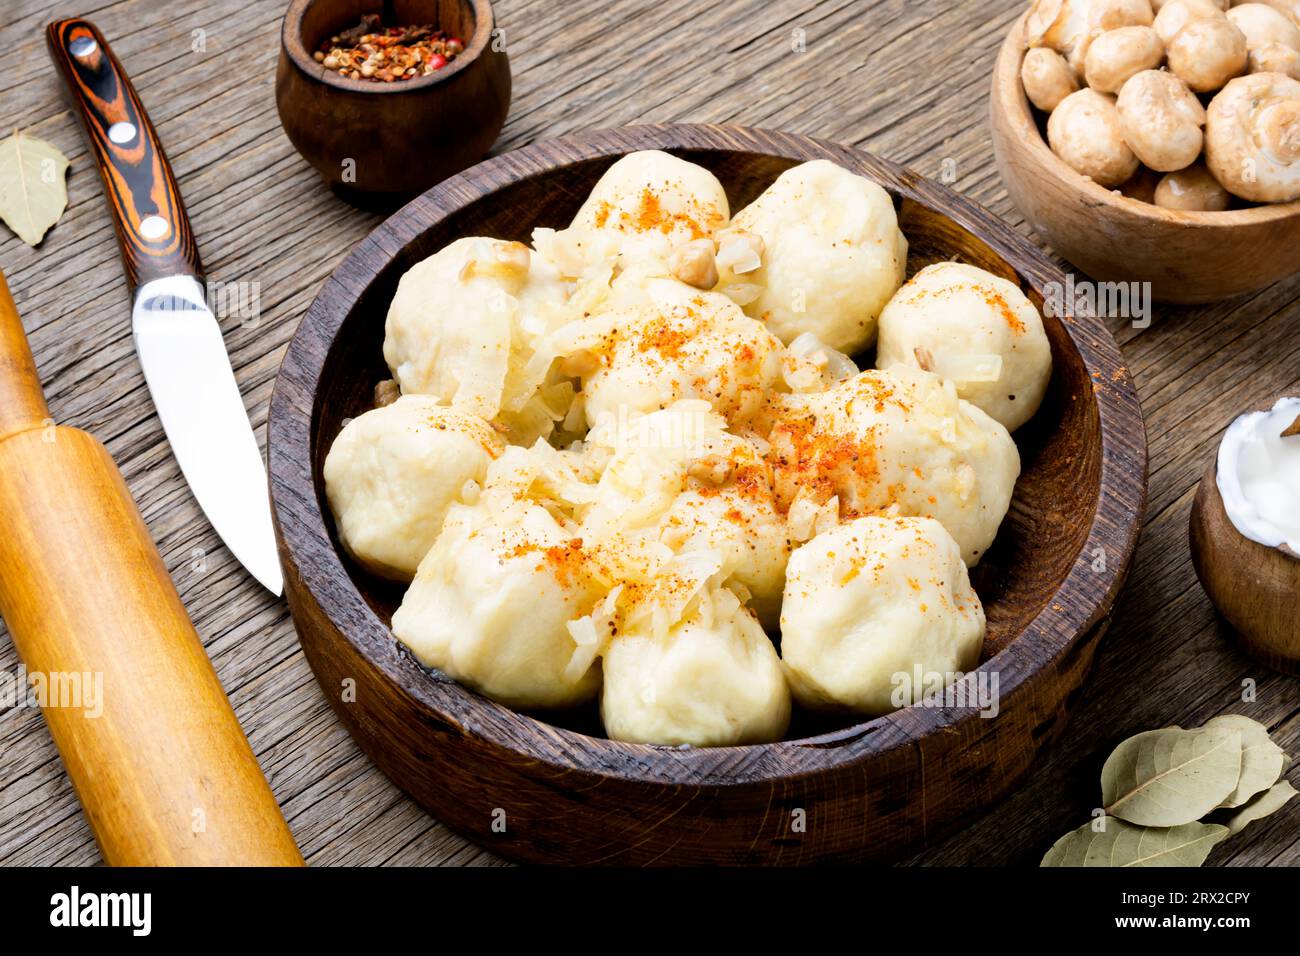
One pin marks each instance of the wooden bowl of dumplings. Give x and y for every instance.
(686, 709)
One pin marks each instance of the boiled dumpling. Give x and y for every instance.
(492, 600)
(691, 345)
(975, 329)
(898, 440)
(833, 255)
(463, 324)
(728, 506)
(644, 206)
(392, 473)
(711, 679)
(651, 201)
(871, 603)
(679, 478)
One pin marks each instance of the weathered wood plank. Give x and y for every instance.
(905, 79)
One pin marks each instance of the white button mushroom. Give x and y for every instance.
(833, 255)
(1118, 54)
(1107, 15)
(1070, 26)
(1084, 130)
(1058, 25)
(1263, 24)
(1192, 189)
(1288, 8)
(1252, 137)
(1161, 120)
(392, 473)
(1104, 15)
(1208, 53)
(975, 329)
(871, 603)
(1047, 78)
(1176, 14)
(1271, 37)
(1276, 58)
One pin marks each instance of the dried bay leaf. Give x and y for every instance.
(33, 191)
(1170, 777)
(1270, 801)
(1262, 761)
(1121, 844)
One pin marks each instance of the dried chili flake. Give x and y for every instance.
(371, 51)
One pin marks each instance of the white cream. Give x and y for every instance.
(1259, 476)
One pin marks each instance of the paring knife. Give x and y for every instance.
(176, 335)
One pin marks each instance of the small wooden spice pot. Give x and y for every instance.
(378, 144)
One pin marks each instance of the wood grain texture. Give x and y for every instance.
(907, 80)
(846, 792)
(381, 143)
(1188, 257)
(22, 403)
(152, 228)
(149, 741)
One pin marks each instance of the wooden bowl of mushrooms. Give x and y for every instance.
(1157, 141)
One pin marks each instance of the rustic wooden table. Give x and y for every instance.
(907, 80)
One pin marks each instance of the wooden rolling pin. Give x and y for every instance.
(158, 759)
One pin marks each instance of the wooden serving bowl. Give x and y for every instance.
(835, 792)
(1186, 256)
(378, 144)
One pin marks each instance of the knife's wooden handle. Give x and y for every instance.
(152, 229)
(149, 739)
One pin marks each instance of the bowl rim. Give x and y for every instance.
(310, 558)
(297, 52)
(1009, 97)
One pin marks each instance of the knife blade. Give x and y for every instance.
(177, 338)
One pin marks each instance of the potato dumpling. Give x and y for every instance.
(712, 679)
(833, 255)
(462, 323)
(898, 439)
(392, 473)
(491, 601)
(728, 506)
(975, 329)
(651, 201)
(679, 478)
(870, 602)
(688, 345)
